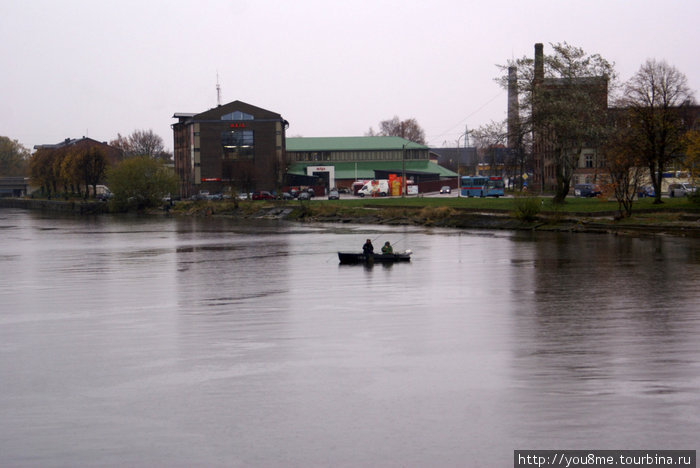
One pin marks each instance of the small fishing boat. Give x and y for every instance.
(354, 258)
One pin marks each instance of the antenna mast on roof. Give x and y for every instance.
(218, 90)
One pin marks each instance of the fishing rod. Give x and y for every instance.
(401, 239)
(393, 244)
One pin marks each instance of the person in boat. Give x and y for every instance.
(387, 248)
(368, 248)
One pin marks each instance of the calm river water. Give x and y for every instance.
(205, 342)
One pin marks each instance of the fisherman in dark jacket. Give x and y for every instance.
(368, 248)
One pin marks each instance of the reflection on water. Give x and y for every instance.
(608, 351)
(206, 342)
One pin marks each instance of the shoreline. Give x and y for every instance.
(660, 223)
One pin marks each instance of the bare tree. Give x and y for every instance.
(624, 165)
(655, 96)
(408, 129)
(490, 142)
(122, 144)
(146, 143)
(141, 143)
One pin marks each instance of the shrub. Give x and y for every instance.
(437, 212)
(527, 208)
(139, 183)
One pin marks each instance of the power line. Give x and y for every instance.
(461, 122)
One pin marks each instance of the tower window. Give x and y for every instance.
(237, 115)
(238, 144)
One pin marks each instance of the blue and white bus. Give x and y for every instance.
(480, 186)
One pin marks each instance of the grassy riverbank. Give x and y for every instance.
(571, 205)
(679, 216)
(676, 216)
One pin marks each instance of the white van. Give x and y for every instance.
(680, 190)
(375, 188)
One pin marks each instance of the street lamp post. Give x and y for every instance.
(466, 141)
(459, 156)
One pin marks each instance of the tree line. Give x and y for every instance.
(67, 169)
(132, 166)
(14, 158)
(638, 128)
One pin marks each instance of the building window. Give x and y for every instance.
(588, 160)
(237, 115)
(238, 145)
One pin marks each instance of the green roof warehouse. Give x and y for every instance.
(340, 161)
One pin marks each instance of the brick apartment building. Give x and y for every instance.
(235, 146)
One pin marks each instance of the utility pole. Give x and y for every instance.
(403, 171)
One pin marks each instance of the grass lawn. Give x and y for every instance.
(571, 204)
(644, 211)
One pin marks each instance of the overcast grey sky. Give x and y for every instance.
(97, 68)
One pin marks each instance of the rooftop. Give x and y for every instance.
(368, 143)
(365, 169)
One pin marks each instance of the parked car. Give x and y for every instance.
(680, 190)
(304, 196)
(586, 190)
(333, 195)
(445, 189)
(202, 195)
(105, 196)
(286, 196)
(645, 191)
(262, 196)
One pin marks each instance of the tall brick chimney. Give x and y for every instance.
(513, 107)
(539, 62)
